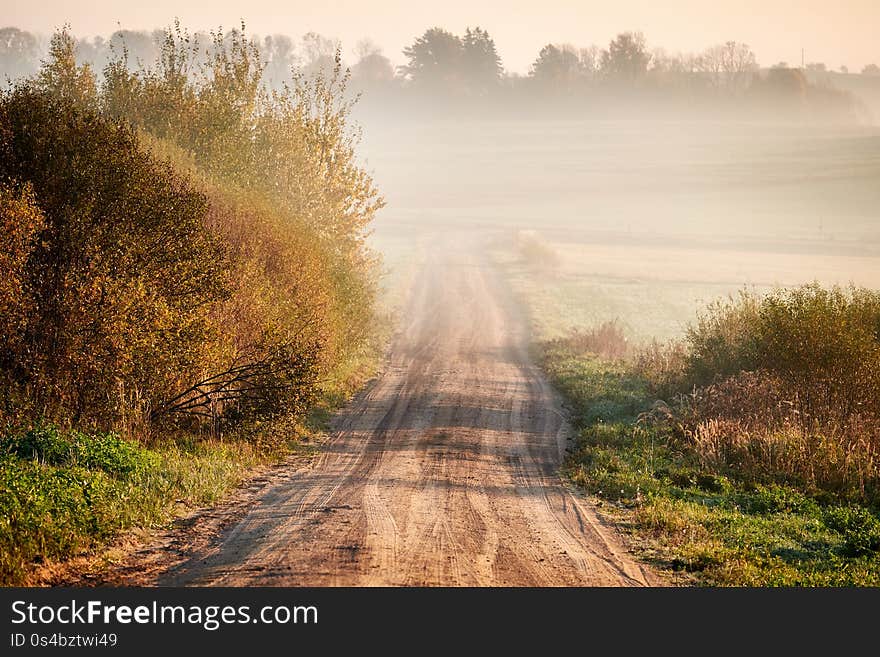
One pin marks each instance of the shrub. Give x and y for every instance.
(607, 340)
(186, 241)
(123, 270)
(722, 341)
(825, 345)
(535, 252)
(822, 344)
(783, 388)
(21, 223)
(288, 199)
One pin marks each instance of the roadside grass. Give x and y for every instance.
(701, 523)
(710, 527)
(65, 493)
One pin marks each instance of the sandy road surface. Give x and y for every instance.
(443, 472)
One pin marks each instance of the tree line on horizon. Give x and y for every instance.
(439, 61)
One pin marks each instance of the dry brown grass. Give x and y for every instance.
(779, 388)
(663, 364)
(607, 340)
(751, 424)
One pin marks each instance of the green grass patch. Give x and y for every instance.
(712, 527)
(63, 493)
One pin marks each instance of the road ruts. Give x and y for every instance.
(442, 472)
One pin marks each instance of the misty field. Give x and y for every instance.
(646, 221)
(654, 290)
(598, 180)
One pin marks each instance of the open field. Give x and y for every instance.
(658, 182)
(654, 290)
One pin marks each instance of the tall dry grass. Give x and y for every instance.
(751, 425)
(607, 340)
(784, 387)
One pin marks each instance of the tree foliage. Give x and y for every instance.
(121, 271)
(480, 61)
(557, 67)
(626, 58)
(441, 65)
(19, 53)
(203, 258)
(434, 59)
(440, 60)
(63, 77)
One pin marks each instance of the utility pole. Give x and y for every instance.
(803, 65)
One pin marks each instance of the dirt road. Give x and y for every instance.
(443, 472)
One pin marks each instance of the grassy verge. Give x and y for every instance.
(65, 493)
(711, 527)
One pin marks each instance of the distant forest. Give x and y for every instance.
(443, 70)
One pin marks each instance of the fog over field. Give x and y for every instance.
(686, 210)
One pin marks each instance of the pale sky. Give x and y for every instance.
(841, 32)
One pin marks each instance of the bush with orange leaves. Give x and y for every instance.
(185, 247)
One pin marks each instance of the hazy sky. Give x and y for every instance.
(842, 32)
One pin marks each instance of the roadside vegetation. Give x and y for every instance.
(746, 452)
(184, 278)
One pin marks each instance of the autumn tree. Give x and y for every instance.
(61, 76)
(626, 59)
(122, 273)
(434, 60)
(557, 67)
(287, 197)
(21, 223)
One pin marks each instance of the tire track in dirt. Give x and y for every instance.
(442, 472)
